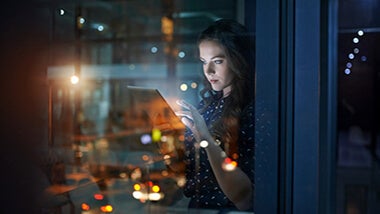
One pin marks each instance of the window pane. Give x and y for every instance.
(110, 143)
(358, 107)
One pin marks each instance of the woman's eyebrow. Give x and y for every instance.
(217, 56)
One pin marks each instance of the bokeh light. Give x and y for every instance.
(74, 79)
(146, 139)
(183, 87)
(229, 164)
(156, 135)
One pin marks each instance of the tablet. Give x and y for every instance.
(153, 108)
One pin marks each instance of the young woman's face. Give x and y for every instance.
(215, 66)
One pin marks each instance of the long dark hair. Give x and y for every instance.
(238, 46)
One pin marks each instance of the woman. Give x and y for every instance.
(219, 139)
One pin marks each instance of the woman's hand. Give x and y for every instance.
(193, 120)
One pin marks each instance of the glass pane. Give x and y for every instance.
(358, 175)
(112, 144)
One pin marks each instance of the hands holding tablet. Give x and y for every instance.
(193, 120)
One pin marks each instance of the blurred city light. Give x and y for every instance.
(74, 79)
(154, 50)
(99, 197)
(156, 135)
(100, 28)
(203, 144)
(183, 87)
(229, 164)
(85, 207)
(181, 54)
(146, 139)
(106, 209)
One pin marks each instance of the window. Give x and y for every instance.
(358, 143)
(108, 46)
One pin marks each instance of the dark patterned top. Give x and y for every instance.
(201, 185)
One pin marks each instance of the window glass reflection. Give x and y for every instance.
(358, 155)
(114, 148)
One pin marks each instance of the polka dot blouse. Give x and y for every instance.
(201, 185)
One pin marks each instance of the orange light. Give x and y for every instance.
(137, 187)
(229, 164)
(98, 197)
(85, 207)
(167, 26)
(106, 209)
(155, 188)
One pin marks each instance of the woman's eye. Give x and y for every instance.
(218, 61)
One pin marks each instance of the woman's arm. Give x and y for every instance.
(235, 183)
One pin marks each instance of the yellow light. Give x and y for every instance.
(106, 209)
(155, 188)
(137, 187)
(74, 79)
(156, 135)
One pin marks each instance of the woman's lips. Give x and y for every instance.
(213, 81)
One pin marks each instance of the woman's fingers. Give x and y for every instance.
(187, 123)
(186, 114)
(186, 105)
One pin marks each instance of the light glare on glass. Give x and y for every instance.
(355, 40)
(82, 20)
(229, 164)
(106, 209)
(360, 33)
(74, 79)
(351, 56)
(183, 87)
(154, 49)
(347, 71)
(100, 28)
(146, 139)
(203, 143)
(181, 54)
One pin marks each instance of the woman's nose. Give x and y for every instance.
(209, 69)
